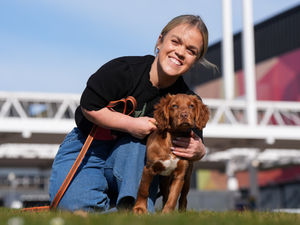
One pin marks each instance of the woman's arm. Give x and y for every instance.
(138, 127)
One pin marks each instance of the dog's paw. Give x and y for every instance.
(139, 210)
(167, 209)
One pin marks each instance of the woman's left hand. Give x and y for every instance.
(190, 148)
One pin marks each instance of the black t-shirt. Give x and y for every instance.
(120, 78)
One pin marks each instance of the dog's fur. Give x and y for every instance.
(176, 116)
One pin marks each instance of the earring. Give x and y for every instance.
(157, 50)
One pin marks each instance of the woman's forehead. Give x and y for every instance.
(185, 27)
(188, 33)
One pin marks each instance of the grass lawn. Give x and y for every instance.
(15, 217)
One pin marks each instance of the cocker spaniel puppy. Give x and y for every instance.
(176, 116)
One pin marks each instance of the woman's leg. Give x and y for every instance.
(87, 191)
(126, 163)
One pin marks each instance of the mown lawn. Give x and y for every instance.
(15, 217)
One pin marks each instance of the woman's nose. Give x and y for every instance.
(180, 51)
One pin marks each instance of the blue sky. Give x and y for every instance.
(55, 45)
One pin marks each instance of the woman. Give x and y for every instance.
(110, 172)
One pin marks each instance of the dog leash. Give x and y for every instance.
(80, 157)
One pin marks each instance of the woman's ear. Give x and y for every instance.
(159, 41)
(202, 114)
(161, 113)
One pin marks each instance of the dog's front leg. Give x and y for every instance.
(164, 187)
(185, 189)
(143, 193)
(176, 186)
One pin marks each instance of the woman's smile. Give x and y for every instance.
(175, 61)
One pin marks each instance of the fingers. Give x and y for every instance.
(190, 148)
(152, 120)
(182, 152)
(153, 123)
(192, 155)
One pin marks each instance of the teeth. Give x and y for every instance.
(175, 61)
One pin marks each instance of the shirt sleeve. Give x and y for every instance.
(111, 82)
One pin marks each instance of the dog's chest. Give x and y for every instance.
(170, 165)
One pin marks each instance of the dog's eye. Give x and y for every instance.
(174, 106)
(191, 106)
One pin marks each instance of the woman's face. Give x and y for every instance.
(179, 49)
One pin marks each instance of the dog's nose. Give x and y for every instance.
(183, 115)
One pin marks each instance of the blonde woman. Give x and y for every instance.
(109, 175)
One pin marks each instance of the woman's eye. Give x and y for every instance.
(175, 42)
(191, 52)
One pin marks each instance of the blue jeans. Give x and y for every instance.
(108, 176)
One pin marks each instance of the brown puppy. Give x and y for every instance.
(176, 116)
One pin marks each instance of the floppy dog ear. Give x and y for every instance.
(202, 114)
(161, 113)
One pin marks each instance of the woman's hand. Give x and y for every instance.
(190, 148)
(142, 126)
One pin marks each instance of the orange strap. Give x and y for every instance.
(74, 168)
(131, 99)
(36, 209)
(80, 157)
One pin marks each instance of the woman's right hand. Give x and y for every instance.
(142, 126)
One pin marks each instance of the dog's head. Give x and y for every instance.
(181, 112)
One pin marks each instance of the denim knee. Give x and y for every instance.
(89, 186)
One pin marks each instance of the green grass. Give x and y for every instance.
(15, 217)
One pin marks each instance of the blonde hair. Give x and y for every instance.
(192, 20)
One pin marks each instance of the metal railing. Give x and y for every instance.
(275, 120)
(54, 113)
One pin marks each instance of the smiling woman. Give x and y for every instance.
(112, 168)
